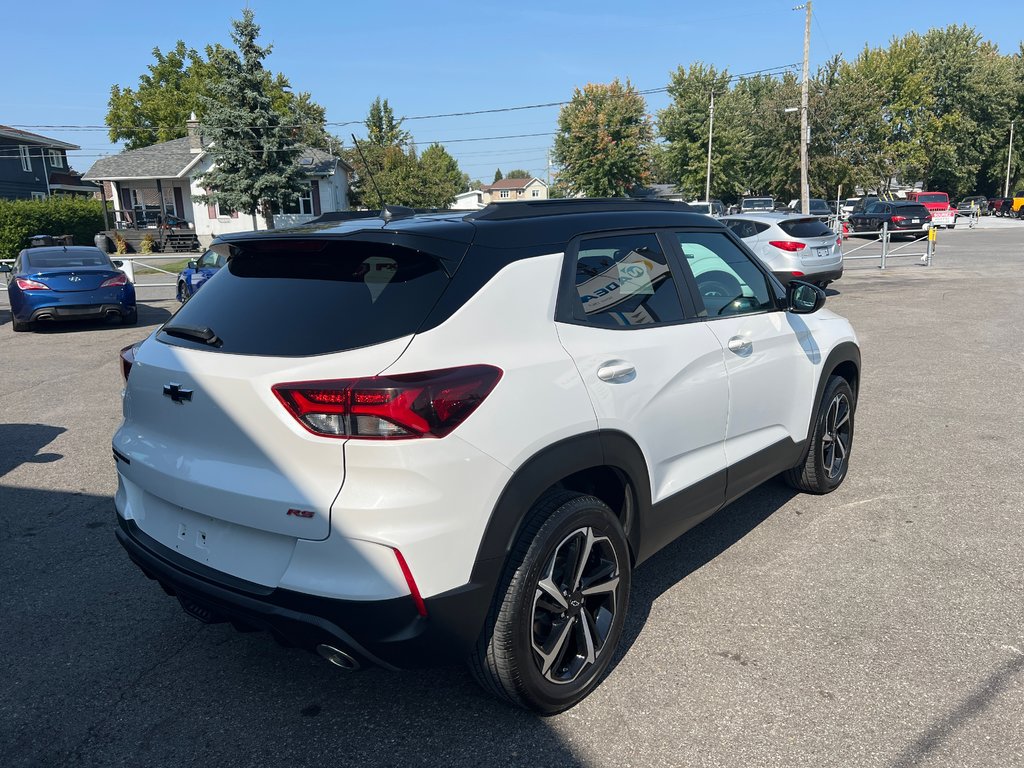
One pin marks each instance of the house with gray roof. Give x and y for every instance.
(35, 167)
(154, 186)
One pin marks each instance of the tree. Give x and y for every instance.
(518, 173)
(497, 176)
(684, 125)
(440, 176)
(177, 84)
(382, 130)
(604, 140)
(254, 150)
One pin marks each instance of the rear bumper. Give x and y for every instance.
(84, 312)
(386, 633)
(828, 275)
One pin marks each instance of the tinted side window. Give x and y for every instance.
(624, 281)
(208, 259)
(727, 280)
(875, 208)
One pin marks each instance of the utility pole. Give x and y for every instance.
(805, 192)
(549, 169)
(711, 130)
(1009, 158)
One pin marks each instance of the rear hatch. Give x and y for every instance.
(77, 278)
(821, 243)
(205, 433)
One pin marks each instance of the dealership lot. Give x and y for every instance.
(877, 626)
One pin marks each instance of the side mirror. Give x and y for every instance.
(5, 268)
(118, 263)
(193, 264)
(803, 298)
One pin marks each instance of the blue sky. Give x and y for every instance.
(443, 56)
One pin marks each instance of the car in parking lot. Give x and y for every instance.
(197, 272)
(791, 245)
(750, 204)
(973, 205)
(713, 207)
(898, 215)
(468, 428)
(67, 282)
(817, 207)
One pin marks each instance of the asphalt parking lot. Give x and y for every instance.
(878, 626)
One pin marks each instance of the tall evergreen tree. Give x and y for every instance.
(382, 130)
(498, 176)
(254, 151)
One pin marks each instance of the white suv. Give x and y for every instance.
(417, 438)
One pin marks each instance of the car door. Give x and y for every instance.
(770, 357)
(653, 371)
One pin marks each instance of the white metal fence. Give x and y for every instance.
(882, 240)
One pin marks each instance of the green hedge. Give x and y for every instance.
(57, 215)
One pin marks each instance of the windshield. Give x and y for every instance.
(758, 204)
(933, 197)
(49, 259)
(294, 298)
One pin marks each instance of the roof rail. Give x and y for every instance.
(522, 209)
(392, 213)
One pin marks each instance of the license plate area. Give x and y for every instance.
(822, 252)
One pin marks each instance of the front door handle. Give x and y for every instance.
(616, 370)
(739, 345)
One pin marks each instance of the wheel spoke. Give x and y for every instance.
(840, 447)
(550, 590)
(602, 587)
(846, 418)
(550, 657)
(583, 554)
(588, 637)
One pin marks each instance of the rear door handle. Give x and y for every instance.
(616, 370)
(739, 345)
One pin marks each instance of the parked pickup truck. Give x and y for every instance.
(938, 206)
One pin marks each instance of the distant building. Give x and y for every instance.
(514, 189)
(35, 167)
(155, 185)
(469, 201)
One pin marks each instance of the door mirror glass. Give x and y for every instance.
(803, 298)
(193, 264)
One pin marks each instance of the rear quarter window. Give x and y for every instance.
(295, 298)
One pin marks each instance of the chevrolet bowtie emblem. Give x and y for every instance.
(177, 394)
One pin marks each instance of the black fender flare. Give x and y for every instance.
(846, 352)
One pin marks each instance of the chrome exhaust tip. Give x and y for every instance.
(338, 657)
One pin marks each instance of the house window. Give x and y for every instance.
(38, 195)
(503, 194)
(56, 158)
(302, 204)
(26, 160)
(535, 193)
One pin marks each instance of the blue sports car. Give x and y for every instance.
(68, 283)
(192, 277)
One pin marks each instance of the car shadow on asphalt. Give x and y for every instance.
(695, 549)
(22, 444)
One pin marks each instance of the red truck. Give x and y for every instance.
(938, 206)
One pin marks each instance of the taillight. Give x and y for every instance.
(30, 285)
(798, 274)
(127, 359)
(898, 219)
(839, 241)
(409, 405)
(121, 279)
(787, 245)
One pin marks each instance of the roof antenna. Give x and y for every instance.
(384, 212)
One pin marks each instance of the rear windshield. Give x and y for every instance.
(818, 206)
(911, 210)
(933, 197)
(47, 259)
(294, 298)
(757, 203)
(805, 228)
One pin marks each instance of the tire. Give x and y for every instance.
(131, 317)
(19, 326)
(822, 469)
(182, 293)
(535, 607)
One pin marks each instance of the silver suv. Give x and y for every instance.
(792, 246)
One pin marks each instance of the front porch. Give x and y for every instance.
(165, 239)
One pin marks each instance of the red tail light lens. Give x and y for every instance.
(127, 360)
(30, 285)
(839, 241)
(787, 245)
(121, 279)
(898, 219)
(428, 404)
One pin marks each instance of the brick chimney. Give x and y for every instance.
(195, 138)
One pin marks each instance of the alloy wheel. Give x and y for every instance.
(835, 438)
(574, 606)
